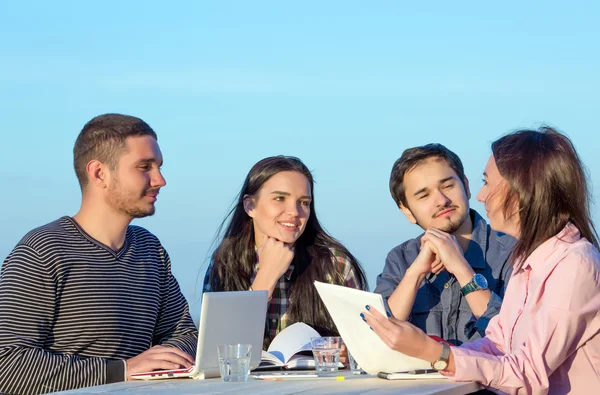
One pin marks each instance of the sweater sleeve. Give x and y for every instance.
(27, 314)
(175, 326)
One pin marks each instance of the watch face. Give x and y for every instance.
(481, 281)
(440, 365)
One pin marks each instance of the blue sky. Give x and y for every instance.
(344, 85)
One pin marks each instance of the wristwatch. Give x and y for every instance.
(442, 361)
(477, 283)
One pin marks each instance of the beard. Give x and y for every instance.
(451, 226)
(128, 202)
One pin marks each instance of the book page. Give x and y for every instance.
(270, 358)
(372, 354)
(301, 361)
(293, 339)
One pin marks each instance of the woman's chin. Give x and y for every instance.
(287, 239)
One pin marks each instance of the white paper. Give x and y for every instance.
(370, 352)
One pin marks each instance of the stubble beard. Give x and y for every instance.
(125, 202)
(451, 226)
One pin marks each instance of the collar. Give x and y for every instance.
(541, 258)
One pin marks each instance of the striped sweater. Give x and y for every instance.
(72, 309)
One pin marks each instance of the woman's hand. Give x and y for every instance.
(274, 258)
(402, 336)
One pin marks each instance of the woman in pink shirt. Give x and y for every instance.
(546, 338)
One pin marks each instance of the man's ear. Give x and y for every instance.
(467, 189)
(249, 205)
(406, 211)
(97, 173)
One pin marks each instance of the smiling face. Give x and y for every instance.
(435, 196)
(493, 194)
(136, 181)
(281, 208)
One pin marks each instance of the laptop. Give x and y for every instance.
(225, 318)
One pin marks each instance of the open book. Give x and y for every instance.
(290, 349)
(370, 352)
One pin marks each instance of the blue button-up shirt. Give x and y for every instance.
(440, 308)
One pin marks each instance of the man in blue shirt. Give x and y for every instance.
(450, 280)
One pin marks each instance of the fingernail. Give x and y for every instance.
(389, 314)
(367, 307)
(370, 328)
(363, 317)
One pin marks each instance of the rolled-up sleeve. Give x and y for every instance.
(476, 327)
(393, 272)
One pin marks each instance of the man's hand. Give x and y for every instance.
(158, 357)
(427, 261)
(446, 248)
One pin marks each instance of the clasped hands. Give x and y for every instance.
(439, 250)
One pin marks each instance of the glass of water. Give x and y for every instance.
(234, 361)
(354, 366)
(326, 351)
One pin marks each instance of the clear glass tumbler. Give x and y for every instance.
(326, 351)
(234, 361)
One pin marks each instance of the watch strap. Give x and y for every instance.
(444, 357)
(470, 287)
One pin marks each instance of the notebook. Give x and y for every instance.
(225, 318)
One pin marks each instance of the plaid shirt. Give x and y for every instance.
(277, 318)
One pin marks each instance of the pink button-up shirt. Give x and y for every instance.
(546, 338)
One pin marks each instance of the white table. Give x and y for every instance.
(351, 385)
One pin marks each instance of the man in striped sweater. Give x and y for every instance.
(90, 299)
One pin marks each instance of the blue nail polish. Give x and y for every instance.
(370, 328)
(363, 317)
(367, 307)
(389, 314)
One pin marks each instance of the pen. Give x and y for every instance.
(307, 377)
(421, 371)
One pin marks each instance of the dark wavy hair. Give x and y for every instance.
(548, 184)
(234, 259)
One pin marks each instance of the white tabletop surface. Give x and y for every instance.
(351, 385)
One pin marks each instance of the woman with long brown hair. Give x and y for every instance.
(546, 338)
(274, 241)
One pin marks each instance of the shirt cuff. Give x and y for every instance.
(479, 325)
(475, 365)
(115, 371)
